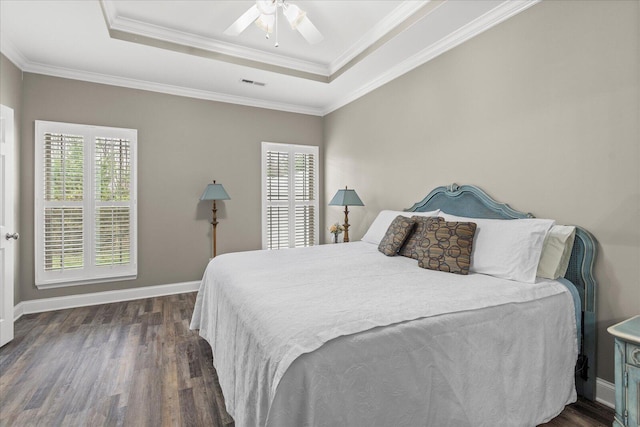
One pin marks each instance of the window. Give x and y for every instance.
(289, 195)
(85, 204)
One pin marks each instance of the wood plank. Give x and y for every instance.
(134, 363)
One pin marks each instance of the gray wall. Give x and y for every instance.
(11, 96)
(542, 112)
(183, 144)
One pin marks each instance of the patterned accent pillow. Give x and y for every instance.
(396, 234)
(446, 246)
(409, 248)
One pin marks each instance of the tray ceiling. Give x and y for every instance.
(179, 47)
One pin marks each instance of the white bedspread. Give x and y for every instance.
(262, 310)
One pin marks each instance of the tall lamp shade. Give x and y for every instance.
(347, 197)
(214, 192)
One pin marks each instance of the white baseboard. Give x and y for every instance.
(106, 297)
(605, 392)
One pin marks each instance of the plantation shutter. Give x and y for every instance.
(290, 196)
(113, 201)
(85, 198)
(277, 199)
(63, 156)
(305, 209)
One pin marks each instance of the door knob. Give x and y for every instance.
(14, 236)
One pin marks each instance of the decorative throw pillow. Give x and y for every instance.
(446, 246)
(396, 234)
(379, 226)
(409, 248)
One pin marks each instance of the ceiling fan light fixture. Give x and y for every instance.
(309, 31)
(267, 7)
(265, 15)
(266, 23)
(294, 14)
(243, 21)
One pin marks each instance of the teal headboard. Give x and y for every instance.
(471, 201)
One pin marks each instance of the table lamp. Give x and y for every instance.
(214, 192)
(346, 198)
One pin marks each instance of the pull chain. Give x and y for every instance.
(277, 44)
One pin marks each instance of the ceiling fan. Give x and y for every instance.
(265, 15)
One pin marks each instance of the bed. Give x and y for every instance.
(344, 335)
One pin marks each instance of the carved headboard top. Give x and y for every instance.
(466, 200)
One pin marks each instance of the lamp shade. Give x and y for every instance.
(215, 192)
(346, 197)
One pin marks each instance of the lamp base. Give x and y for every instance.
(346, 225)
(214, 224)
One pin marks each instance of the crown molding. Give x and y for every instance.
(400, 14)
(136, 31)
(109, 12)
(87, 76)
(9, 49)
(490, 19)
(146, 30)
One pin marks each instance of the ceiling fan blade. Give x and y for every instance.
(309, 31)
(243, 22)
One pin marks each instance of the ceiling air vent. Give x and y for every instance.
(251, 82)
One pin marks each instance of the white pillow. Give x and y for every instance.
(379, 227)
(556, 251)
(507, 248)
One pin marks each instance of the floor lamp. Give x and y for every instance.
(214, 192)
(346, 198)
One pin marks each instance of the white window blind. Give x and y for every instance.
(113, 211)
(290, 195)
(85, 202)
(64, 200)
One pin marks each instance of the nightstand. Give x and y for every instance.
(627, 374)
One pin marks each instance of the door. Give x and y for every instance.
(8, 233)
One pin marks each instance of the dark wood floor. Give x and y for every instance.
(133, 363)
